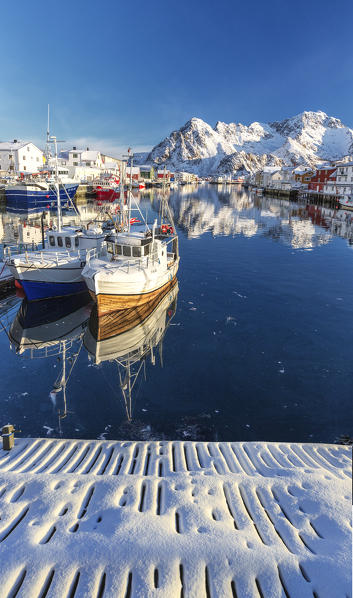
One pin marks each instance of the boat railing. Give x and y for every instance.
(18, 248)
(45, 255)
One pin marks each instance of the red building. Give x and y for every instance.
(320, 178)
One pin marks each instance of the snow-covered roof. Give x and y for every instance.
(10, 146)
(270, 168)
(90, 155)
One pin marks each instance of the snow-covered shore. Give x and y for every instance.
(106, 518)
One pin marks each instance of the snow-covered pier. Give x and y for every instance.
(168, 519)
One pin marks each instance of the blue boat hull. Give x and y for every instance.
(44, 199)
(46, 290)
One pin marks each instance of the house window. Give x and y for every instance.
(74, 155)
(75, 163)
(24, 168)
(27, 148)
(37, 159)
(24, 157)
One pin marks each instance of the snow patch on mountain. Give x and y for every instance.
(307, 138)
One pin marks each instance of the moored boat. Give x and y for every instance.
(133, 267)
(56, 270)
(33, 194)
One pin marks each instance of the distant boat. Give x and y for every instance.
(107, 189)
(41, 194)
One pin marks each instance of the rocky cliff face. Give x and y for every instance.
(308, 138)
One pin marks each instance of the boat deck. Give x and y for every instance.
(184, 519)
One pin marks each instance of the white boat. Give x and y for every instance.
(55, 271)
(133, 267)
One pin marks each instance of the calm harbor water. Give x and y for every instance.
(254, 344)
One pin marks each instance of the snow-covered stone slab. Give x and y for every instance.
(166, 519)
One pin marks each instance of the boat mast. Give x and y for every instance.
(47, 145)
(57, 184)
(130, 188)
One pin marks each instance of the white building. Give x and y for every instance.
(20, 156)
(88, 165)
(344, 178)
(330, 187)
(186, 177)
(282, 179)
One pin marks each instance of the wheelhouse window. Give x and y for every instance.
(126, 250)
(77, 241)
(60, 241)
(136, 251)
(118, 250)
(67, 242)
(147, 249)
(110, 248)
(52, 241)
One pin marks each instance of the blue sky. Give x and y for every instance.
(128, 73)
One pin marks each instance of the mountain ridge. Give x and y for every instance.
(306, 139)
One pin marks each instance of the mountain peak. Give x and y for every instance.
(306, 138)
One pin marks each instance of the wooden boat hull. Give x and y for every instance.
(107, 303)
(122, 320)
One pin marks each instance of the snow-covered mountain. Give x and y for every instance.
(308, 138)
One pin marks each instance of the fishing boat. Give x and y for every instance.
(107, 189)
(55, 271)
(133, 267)
(129, 336)
(33, 194)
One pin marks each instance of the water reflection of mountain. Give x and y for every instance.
(237, 212)
(128, 337)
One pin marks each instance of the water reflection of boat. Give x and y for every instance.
(129, 336)
(53, 328)
(41, 326)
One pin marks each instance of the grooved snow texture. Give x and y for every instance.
(184, 519)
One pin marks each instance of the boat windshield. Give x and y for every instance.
(128, 250)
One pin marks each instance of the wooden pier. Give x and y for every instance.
(168, 519)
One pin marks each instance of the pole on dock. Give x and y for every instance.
(8, 437)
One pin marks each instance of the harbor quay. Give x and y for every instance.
(89, 518)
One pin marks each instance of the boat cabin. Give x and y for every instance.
(74, 239)
(132, 245)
